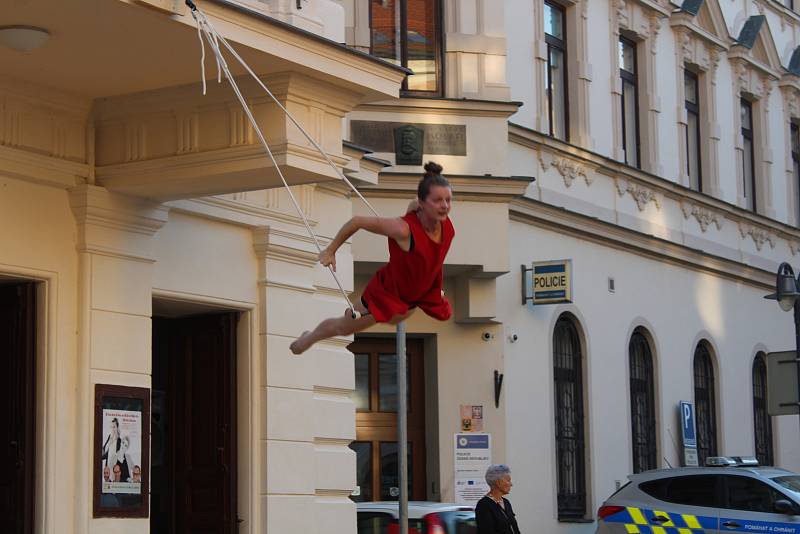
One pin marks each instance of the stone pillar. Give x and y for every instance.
(308, 469)
(115, 250)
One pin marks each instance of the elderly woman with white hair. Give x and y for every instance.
(493, 513)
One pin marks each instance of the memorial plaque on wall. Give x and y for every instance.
(444, 139)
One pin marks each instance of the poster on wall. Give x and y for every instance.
(473, 455)
(122, 431)
(471, 418)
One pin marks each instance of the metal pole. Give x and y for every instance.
(402, 431)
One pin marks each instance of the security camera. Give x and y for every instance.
(486, 336)
(513, 338)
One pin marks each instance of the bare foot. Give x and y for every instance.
(299, 346)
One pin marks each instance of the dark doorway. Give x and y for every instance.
(193, 469)
(17, 395)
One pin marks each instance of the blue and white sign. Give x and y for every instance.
(686, 417)
(687, 424)
(552, 282)
(472, 455)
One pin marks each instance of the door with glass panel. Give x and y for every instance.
(376, 420)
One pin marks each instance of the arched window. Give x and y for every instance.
(705, 403)
(643, 410)
(570, 454)
(762, 422)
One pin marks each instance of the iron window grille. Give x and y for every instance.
(693, 153)
(628, 73)
(705, 404)
(748, 156)
(643, 413)
(557, 88)
(409, 33)
(570, 443)
(762, 422)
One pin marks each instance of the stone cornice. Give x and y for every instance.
(444, 106)
(204, 173)
(686, 21)
(115, 225)
(666, 188)
(38, 168)
(557, 219)
(479, 188)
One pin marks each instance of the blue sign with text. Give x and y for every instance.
(687, 424)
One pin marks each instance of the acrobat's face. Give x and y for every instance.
(437, 204)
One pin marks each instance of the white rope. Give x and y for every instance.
(324, 154)
(222, 67)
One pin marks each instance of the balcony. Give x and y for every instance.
(114, 98)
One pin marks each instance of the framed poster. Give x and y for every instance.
(121, 451)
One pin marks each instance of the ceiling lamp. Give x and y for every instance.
(23, 38)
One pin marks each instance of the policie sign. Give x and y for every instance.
(551, 282)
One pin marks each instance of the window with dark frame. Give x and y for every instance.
(692, 104)
(409, 33)
(762, 422)
(643, 412)
(794, 131)
(789, 4)
(630, 101)
(570, 443)
(748, 155)
(557, 97)
(705, 403)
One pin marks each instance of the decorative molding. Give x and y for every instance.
(569, 169)
(703, 215)
(188, 132)
(570, 223)
(642, 195)
(759, 235)
(282, 246)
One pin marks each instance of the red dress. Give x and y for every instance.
(411, 279)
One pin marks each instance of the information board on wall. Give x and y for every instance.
(473, 455)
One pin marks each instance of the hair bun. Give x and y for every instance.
(432, 168)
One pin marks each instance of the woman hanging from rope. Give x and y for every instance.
(418, 244)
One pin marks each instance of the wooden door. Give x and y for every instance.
(17, 398)
(201, 435)
(376, 419)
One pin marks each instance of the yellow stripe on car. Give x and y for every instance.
(637, 516)
(632, 529)
(691, 521)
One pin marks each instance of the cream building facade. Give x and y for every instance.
(146, 243)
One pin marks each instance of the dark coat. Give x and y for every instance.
(492, 519)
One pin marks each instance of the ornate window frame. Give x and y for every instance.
(639, 21)
(578, 74)
(701, 37)
(790, 90)
(754, 79)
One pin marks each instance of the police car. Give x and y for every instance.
(730, 494)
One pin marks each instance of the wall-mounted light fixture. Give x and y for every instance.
(23, 38)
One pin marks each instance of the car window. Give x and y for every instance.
(789, 482)
(750, 494)
(372, 523)
(691, 490)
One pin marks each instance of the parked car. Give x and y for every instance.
(423, 518)
(728, 495)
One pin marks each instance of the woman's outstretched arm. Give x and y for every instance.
(394, 227)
